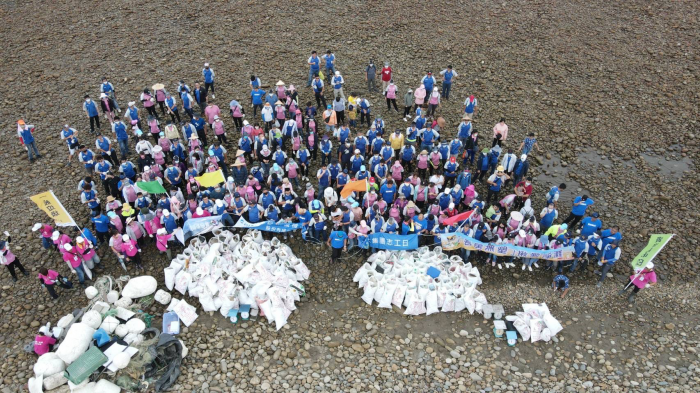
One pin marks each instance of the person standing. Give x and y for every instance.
(495, 183)
(9, 259)
(500, 132)
(578, 210)
(645, 278)
(75, 261)
(149, 103)
(338, 82)
(132, 251)
(119, 130)
(610, 255)
(386, 75)
(107, 88)
(390, 94)
(329, 58)
(364, 106)
(318, 87)
(428, 81)
(448, 75)
(371, 76)
(90, 109)
(433, 101)
(470, 105)
(314, 67)
(208, 74)
(407, 104)
(107, 106)
(171, 106)
(339, 108)
(24, 132)
(338, 241)
(200, 96)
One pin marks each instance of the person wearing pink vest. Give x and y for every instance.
(149, 102)
(49, 278)
(390, 94)
(46, 231)
(162, 237)
(423, 163)
(421, 195)
(433, 101)
(135, 230)
(9, 259)
(115, 244)
(211, 112)
(131, 250)
(292, 169)
(396, 171)
(59, 240)
(116, 221)
(43, 342)
(87, 251)
(419, 97)
(219, 131)
(160, 99)
(75, 262)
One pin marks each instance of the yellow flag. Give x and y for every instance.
(48, 202)
(211, 179)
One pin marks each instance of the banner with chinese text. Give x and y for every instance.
(452, 241)
(48, 202)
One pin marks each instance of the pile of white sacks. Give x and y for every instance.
(76, 334)
(401, 278)
(535, 322)
(228, 272)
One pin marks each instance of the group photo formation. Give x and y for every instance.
(349, 218)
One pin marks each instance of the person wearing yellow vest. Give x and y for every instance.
(396, 140)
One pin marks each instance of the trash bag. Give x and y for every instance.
(388, 295)
(399, 294)
(431, 302)
(167, 355)
(523, 328)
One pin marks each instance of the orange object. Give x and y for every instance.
(20, 122)
(357, 185)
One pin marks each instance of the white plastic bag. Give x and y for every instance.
(75, 343)
(399, 293)
(552, 324)
(370, 290)
(522, 327)
(49, 364)
(54, 380)
(388, 295)
(140, 286)
(449, 304)
(431, 303)
(170, 273)
(182, 281)
(92, 318)
(162, 297)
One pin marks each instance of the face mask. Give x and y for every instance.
(87, 100)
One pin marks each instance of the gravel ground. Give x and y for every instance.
(611, 89)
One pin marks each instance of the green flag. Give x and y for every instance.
(656, 243)
(151, 187)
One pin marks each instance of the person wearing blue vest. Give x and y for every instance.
(89, 197)
(464, 131)
(448, 75)
(610, 255)
(24, 132)
(547, 217)
(580, 251)
(482, 165)
(326, 150)
(127, 168)
(455, 147)
(407, 189)
(171, 106)
(444, 150)
(119, 130)
(407, 154)
(428, 137)
(342, 180)
(324, 179)
(343, 133)
(266, 198)
(361, 143)
(578, 210)
(419, 122)
(187, 102)
(87, 157)
(451, 168)
(338, 241)
(208, 75)
(255, 212)
(377, 144)
(329, 58)
(314, 67)
(464, 179)
(374, 161)
(169, 221)
(520, 169)
(90, 109)
(104, 148)
(338, 82)
(198, 123)
(173, 175)
(495, 183)
(365, 111)
(494, 155)
(428, 81)
(553, 193)
(444, 199)
(356, 162)
(103, 169)
(318, 87)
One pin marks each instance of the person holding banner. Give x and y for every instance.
(644, 278)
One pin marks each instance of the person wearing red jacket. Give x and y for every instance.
(386, 75)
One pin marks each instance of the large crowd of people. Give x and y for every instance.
(287, 154)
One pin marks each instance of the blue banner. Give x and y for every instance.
(455, 240)
(196, 226)
(386, 241)
(269, 226)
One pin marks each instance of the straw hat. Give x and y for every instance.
(279, 83)
(110, 199)
(240, 152)
(158, 86)
(239, 163)
(279, 102)
(194, 136)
